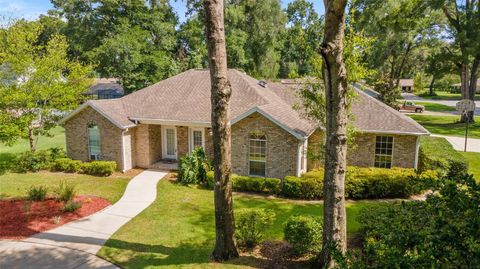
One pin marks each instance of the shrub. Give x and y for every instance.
(250, 225)
(37, 193)
(441, 232)
(369, 183)
(303, 188)
(273, 185)
(32, 161)
(193, 168)
(245, 183)
(210, 180)
(65, 192)
(67, 165)
(71, 206)
(99, 168)
(304, 233)
(436, 153)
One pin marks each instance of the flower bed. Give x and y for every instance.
(23, 218)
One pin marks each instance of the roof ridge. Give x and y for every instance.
(392, 110)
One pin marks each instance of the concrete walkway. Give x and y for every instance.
(458, 143)
(75, 244)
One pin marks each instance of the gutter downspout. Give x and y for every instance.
(417, 150)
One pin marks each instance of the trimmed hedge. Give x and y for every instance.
(361, 183)
(436, 153)
(99, 168)
(95, 168)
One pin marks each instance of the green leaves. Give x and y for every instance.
(38, 82)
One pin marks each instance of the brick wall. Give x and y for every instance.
(404, 149)
(76, 135)
(148, 145)
(281, 147)
(182, 141)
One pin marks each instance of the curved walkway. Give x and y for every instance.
(75, 244)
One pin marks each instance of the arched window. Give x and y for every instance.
(93, 142)
(257, 154)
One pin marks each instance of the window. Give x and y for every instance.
(383, 151)
(257, 154)
(93, 142)
(197, 139)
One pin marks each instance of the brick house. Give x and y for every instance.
(165, 121)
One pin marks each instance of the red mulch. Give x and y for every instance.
(19, 220)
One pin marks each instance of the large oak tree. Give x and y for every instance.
(336, 87)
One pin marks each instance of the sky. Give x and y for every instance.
(32, 9)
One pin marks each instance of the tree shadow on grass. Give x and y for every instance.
(188, 254)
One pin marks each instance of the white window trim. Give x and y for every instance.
(88, 143)
(266, 152)
(393, 150)
(164, 141)
(190, 137)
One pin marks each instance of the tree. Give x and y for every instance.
(225, 246)
(400, 29)
(301, 40)
(37, 82)
(132, 40)
(464, 28)
(336, 86)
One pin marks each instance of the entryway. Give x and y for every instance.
(169, 142)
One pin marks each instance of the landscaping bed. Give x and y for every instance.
(23, 218)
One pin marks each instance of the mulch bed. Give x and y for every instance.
(22, 218)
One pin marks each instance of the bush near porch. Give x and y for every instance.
(361, 183)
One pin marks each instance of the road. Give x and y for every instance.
(452, 103)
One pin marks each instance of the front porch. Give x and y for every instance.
(167, 165)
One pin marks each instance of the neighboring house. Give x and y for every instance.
(165, 121)
(105, 88)
(406, 85)
(457, 86)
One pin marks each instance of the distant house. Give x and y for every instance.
(105, 88)
(165, 121)
(406, 85)
(457, 86)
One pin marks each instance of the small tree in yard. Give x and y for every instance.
(37, 82)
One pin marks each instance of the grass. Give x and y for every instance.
(441, 95)
(13, 185)
(7, 153)
(436, 107)
(473, 163)
(447, 125)
(177, 230)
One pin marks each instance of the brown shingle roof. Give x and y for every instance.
(186, 98)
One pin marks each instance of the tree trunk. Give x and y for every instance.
(31, 140)
(225, 247)
(335, 79)
(469, 85)
(432, 84)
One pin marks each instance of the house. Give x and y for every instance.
(406, 85)
(457, 87)
(105, 88)
(165, 121)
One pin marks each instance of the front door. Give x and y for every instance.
(169, 142)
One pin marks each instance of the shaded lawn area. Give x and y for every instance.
(13, 185)
(177, 230)
(447, 125)
(441, 95)
(436, 107)
(58, 140)
(473, 163)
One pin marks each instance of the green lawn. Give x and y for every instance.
(58, 140)
(13, 185)
(440, 95)
(177, 230)
(473, 163)
(447, 125)
(436, 107)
